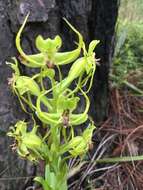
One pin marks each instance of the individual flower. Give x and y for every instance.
(28, 144)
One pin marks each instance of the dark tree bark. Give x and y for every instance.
(95, 19)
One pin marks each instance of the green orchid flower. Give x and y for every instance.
(85, 64)
(48, 50)
(79, 145)
(28, 144)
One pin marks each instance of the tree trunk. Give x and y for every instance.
(95, 19)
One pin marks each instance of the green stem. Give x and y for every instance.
(128, 84)
(105, 160)
(120, 159)
(45, 101)
(133, 87)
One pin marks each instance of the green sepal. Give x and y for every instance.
(14, 66)
(87, 134)
(92, 46)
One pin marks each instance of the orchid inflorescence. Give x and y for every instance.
(55, 105)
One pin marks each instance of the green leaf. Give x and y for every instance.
(53, 180)
(47, 172)
(50, 176)
(43, 183)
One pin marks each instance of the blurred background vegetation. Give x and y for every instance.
(131, 10)
(128, 54)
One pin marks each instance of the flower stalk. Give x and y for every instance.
(60, 102)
